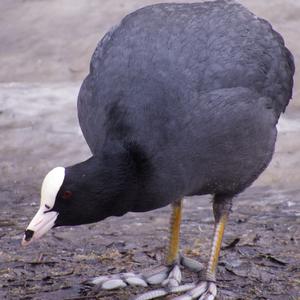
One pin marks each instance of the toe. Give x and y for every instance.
(134, 280)
(211, 292)
(117, 281)
(202, 291)
(112, 284)
(191, 264)
(152, 295)
(174, 278)
(157, 275)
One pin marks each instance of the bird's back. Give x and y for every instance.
(200, 46)
(174, 77)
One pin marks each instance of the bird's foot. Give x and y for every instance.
(171, 283)
(169, 277)
(116, 281)
(164, 275)
(204, 290)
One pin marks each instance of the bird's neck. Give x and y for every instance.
(116, 179)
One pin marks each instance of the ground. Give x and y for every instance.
(44, 55)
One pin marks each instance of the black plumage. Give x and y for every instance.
(181, 99)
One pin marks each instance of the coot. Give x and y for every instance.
(180, 100)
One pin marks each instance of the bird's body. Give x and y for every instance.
(181, 99)
(198, 87)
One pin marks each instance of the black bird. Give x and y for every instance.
(180, 100)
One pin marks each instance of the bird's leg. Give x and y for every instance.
(168, 275)
(221, 209)
(173, 245)
(206, 288)
(171, 258)
(171, 274)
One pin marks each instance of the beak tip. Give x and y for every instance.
(39, 225)
(27, 237)
(24, 243)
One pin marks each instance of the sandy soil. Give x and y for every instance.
(44, 54)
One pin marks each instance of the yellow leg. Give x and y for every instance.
(221, 207)
(173, 246)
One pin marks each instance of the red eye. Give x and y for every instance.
(67, 194)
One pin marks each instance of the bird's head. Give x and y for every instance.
(88, 192)
(80, 194)
(46, 216)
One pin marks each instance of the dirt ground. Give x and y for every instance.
(44, 55)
